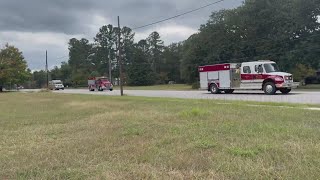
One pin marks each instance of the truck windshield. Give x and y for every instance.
(271, 68)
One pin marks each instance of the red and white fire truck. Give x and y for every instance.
(99, 83)
(258, 75)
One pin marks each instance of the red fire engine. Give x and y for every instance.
(258, 75)
(99, 83)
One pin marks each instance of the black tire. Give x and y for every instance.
(100, 89)
(229, 91)
(111, 89)
(285, 91)
(269, 88)
(214, 89)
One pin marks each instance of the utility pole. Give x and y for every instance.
(47, 69)
(110, 68)
(119, 58)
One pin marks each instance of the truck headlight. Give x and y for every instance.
(278, 78)
(288, 77)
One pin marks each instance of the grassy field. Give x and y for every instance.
(53, 136)
(176, 87)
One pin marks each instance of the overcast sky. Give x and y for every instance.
(36, 25)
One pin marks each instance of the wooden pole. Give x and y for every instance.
(119, 58)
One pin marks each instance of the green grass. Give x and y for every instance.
(56, 136)
(176, 87)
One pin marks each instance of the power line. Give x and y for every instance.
(176, 16)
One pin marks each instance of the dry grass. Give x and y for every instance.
(51, 136)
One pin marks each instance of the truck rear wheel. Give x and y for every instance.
(269, 88)
(214, 89)
(285, 91)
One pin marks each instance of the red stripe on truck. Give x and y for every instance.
(218, 67)
(277, 79)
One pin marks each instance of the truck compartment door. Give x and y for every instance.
(225, 79)
(204, 80)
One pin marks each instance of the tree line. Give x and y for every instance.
(285, 31)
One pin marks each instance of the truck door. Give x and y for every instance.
(246, 76)
(258, 77)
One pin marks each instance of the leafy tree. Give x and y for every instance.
(80, 52)
(55, 73)
(105, 48)
(171, 62)
(155, 50)
(13, 67)
(144, 46)
(302, 71)
(63, 73)
(39, 79)
(127, 44)
(139, 71)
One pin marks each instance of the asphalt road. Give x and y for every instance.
(294, 97)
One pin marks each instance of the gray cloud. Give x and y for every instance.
(63, 19)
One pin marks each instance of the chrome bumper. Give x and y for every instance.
(291, 85)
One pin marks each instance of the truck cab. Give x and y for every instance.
(100, 84)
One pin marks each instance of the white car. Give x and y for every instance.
(56, 85)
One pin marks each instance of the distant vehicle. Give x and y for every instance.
(258, 75)
(100, 84)
(56, 85)
(20, 87)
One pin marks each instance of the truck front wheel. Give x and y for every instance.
(285, 91)
(270, 88)
(214, 89)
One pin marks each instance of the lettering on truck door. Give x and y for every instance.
(257, 77)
